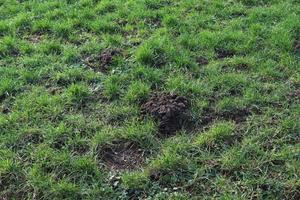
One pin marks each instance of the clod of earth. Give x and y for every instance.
(101, 62)
(168, 109)
(122, 156)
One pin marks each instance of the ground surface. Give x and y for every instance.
(149, 99)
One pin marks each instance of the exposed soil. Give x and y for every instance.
(237, 115)
(241, 67)
(222, 53)
(36, 38)
(297, 46)
(154, 22)
(55, 90)
(33, 138)
(295, 94)
(60, 142)
(79, 148)
(3, 97)
(292, 193)
(101, 62)
(238, 14)
(122, 155)
(202, 61)
(168, 109)
(4, 109)
(28, 139)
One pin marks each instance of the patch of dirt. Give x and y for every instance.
(101, 62)
(209, 116)
(79, 148)
(238, 14)
(237, 115)
(33, 138)
(3, 97)
(295, 94)
(241, 67)
(168, 110)
(36, 38)
(222, 53)
(122, 155)
(297, 46)
(4, 109)
(153, 22)
(292, 193)
(54, 90)
(202, 61)
(60, 142)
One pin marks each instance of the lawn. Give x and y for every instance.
(149, 99)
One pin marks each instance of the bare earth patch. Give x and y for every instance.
(122, 155)
(222, 53)
(202, 61)
(297, 46)
(36, 38)
(101, 62)
(168, 109)
(60, 141)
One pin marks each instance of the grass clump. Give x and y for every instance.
(216, 134)
(78, 94)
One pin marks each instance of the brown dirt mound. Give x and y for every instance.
(102, 61)
(122, 156)
(168, 109)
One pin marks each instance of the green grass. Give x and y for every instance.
(58, 114)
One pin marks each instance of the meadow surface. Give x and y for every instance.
(149, 99)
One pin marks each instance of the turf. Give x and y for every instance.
(81, 112)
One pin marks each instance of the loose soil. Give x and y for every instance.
(33, 138)
(222, 53)
(297, 46)
(168, 110)
(60, 142)
(237, 115)
(79, 148)
(101, 62)
(4, 109)
(202, 61)
(122, 155)
(36, 38)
